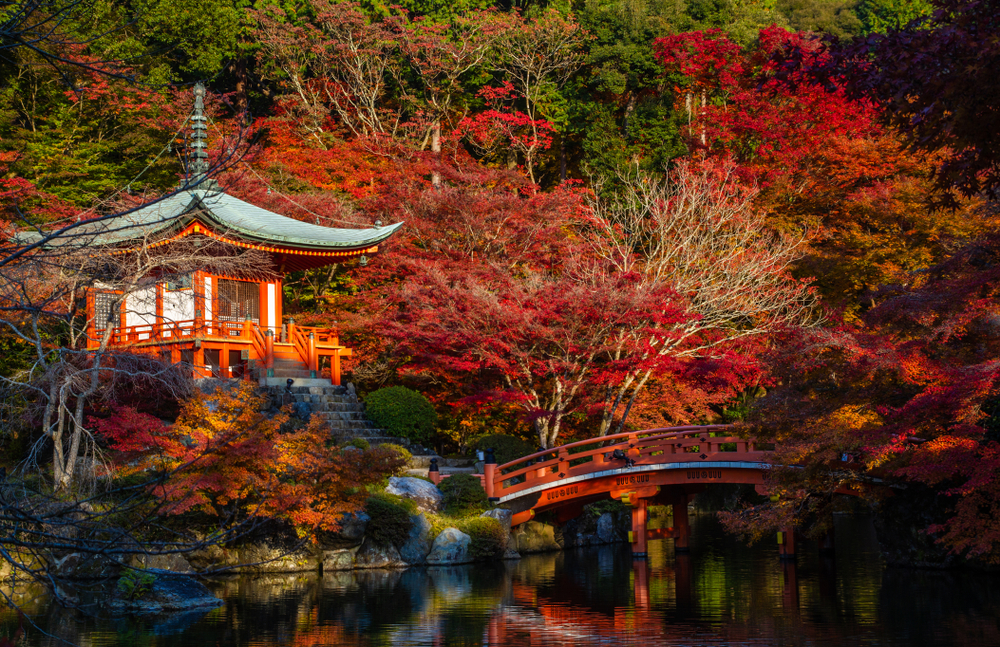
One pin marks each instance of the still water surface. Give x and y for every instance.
(722, 593)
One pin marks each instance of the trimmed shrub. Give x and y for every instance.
(463, 494)
(402, 412)
(505, 448)
(403, 452)
(360, 443)
(390, 519)
(488, 537)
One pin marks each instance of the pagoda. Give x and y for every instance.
(222, 326)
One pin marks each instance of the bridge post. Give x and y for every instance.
(638, 534)
(681, 525)
(489, 472)
(786, 544)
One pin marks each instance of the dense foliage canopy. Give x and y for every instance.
(617, 215)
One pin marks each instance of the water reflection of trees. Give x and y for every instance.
(722, 593)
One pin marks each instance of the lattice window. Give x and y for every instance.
(107, 307)
(237, 301)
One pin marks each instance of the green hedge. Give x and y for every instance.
(402, 412)
(390, 521)
(463, 494)
(488, 537)
(505, 448)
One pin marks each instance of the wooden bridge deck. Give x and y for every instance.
(665, 466)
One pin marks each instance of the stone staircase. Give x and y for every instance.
(341, 408)
(288, 364)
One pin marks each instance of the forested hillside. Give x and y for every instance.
(619, 214)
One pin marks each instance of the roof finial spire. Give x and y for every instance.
(198, 152)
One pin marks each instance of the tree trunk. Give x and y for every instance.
(436, 149)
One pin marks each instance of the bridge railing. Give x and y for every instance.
(651, 446)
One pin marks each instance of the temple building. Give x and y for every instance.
(219, 324)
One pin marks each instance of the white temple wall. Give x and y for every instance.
(178, 305)
(140, 309)
(272, 307)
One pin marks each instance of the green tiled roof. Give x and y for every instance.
(228, 214)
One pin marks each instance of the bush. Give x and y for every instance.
(488, 537)
(402, 412)
(463, 494)
(360, 443)
(403, 452)
(598, 508)
(390, 519)
(505, 448)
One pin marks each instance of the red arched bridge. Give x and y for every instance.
(656, 466)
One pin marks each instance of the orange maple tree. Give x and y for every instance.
(225, 455)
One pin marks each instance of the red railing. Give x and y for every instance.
(652, 446)
(309, 343)
(179, 330)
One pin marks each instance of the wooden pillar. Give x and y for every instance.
(313, 358)
(199, 359)
(638, 535)
(335, 368)
(786, 544)
(269, 352)
(279, 299)
(262, 305)
(682, 528)
(91, 319)
(224, 361)
(490, 472)
(198, 285)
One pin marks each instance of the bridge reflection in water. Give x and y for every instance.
(667, 466)
(721, 593)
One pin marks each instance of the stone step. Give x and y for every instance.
(291, 372)
(346, 416)
(329, 399)
(332, 406)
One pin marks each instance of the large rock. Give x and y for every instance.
(82, 566)
(504, 517)
(450, 547)
(535, 537)
(255, 557)
(351, 532)
(424, 493)
(264, 557)
(372, 555)
(339, 559)
(165, 593)
(419, 542)
(606, 528)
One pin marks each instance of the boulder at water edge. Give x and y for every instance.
(535, 537)
(419, 542)
(372, 555)
(606, 528)
(450, 547)
(167, 593)
(340, 559)
(504, 517)
(351, 531)
(424, 493)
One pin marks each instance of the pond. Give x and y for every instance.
(722, 593)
